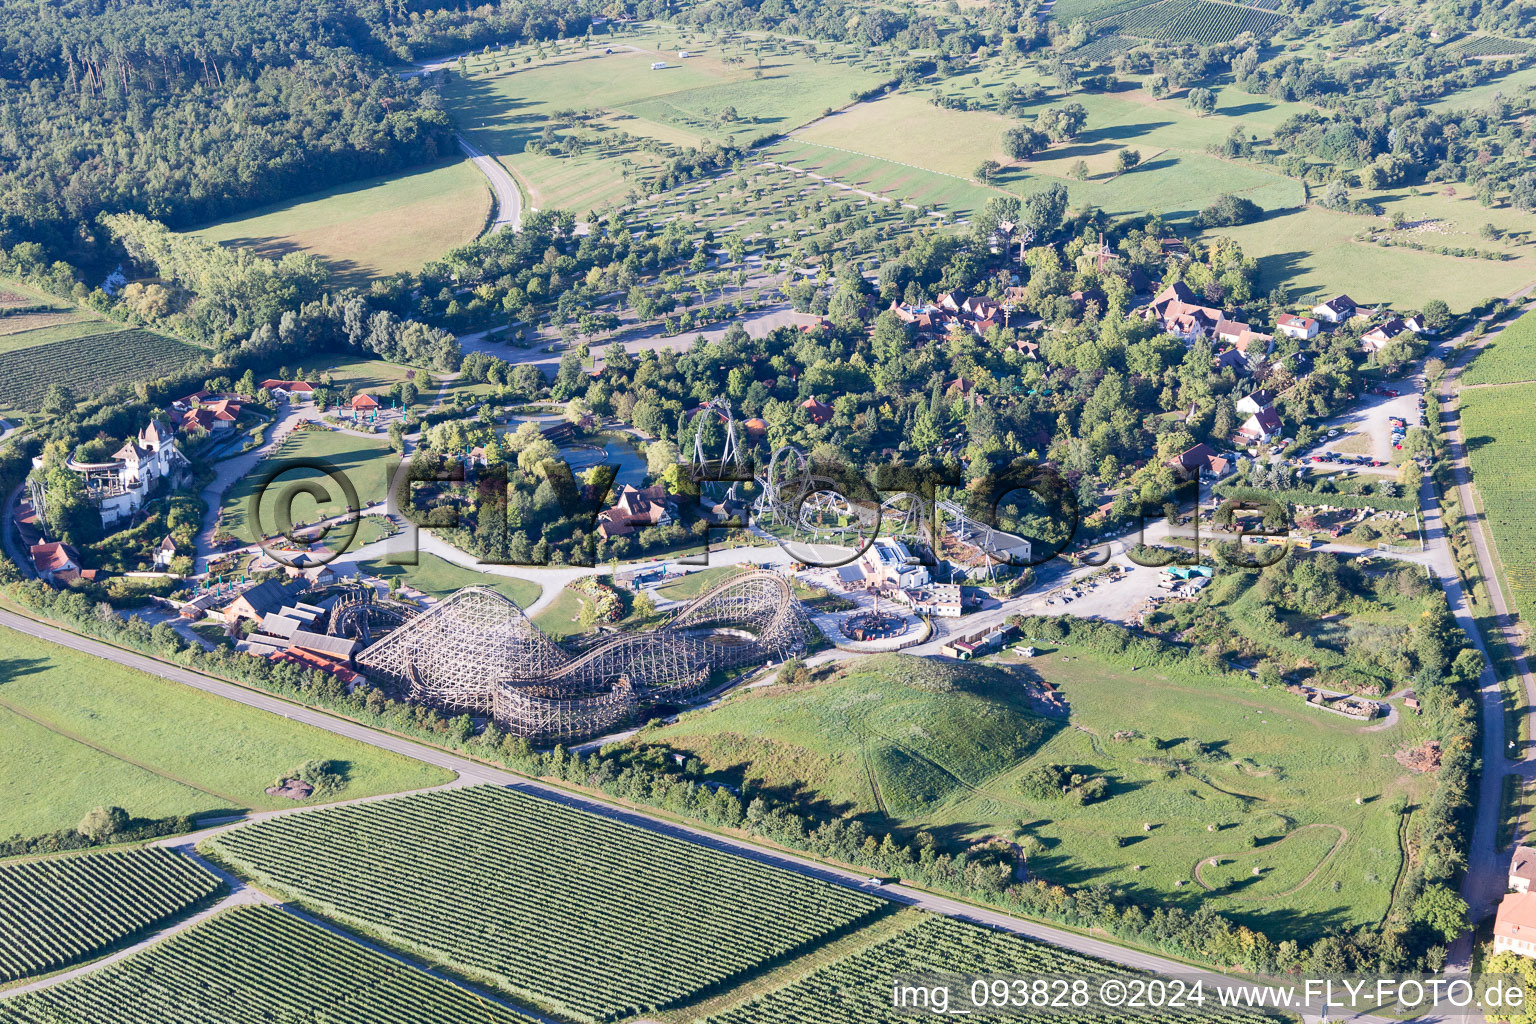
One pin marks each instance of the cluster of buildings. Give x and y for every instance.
(120, 485)
(976, 313)
(294, 632)
(1342, 308)
(207, 410)
(889, 567)
(1188, 317)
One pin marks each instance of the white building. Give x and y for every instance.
(1336, 310)
(889, 561)
(1302, 328)
(940, 599)
(121, 486)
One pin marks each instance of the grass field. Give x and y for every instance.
(363, 461)
(1497, 425)
(696, 582)
(562, 616)
(69, 323)
(1193, 751)
(1313, 251)
(910, 135)
(84, 732)
(439, 578)
(370, 228)
(257, 965)
(522, 893)
(1509, 357)
(720, 91)
(85, 361)
(887, 736)
(375, 376)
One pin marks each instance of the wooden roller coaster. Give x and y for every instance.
(478, 652)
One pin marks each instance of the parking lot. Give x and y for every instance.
(1366, 435)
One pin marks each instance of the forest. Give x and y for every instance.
(191, 112)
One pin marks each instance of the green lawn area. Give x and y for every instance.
(1314, 253)
(562, 616)
(376, 375)
(81, 732)
(370, 228)
(363, 462)
(696, 582)
(54, 330)
(1497, 424)
(439, 578)
(1507, 357)
(681, 105)
(1180, 752)
(1176, 178)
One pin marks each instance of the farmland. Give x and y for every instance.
(370, 228)
(519, 891)
(1197, 21)
(364, 462)
(255, 965)
(59, 911)
(857, 987)
(85, 364)
(1496, 424)
(872, 742)
(90, 733)
(1509, 357)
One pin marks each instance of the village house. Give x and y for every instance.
(1260, 400)
(1201, 459)
(120, 486)
(1253, 345)
(1514, 926)
(1302, 328)
(219, 414)
(55, 562)
(1522, 869)
(1179, 311)
(1261, 426)
(165, 552)
(289, 390)
(635, 509)
(1229, 358)
(1336, 310)
(255, 602)
(1378, 337)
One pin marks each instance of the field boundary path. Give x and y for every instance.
(472, 772)
(1485, 880)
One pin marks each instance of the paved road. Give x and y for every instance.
(471, 772)
(509, 198)
(1487, 866)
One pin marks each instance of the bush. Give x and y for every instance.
(103, 823)
(1228, 210)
